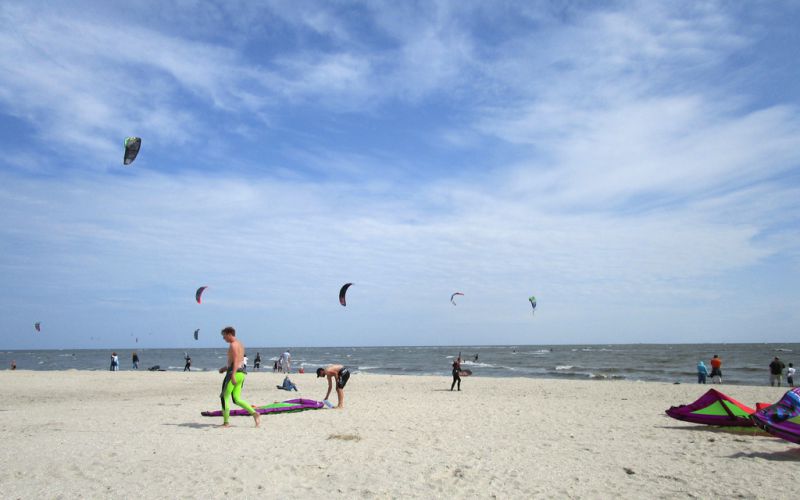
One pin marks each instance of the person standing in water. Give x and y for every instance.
(233, 382)
(456, 373)
(188, 366)
(702, 373)
(257, 362)
(775, 371)
(135, 361)
(286, 361)
(341, 374)
(716, 369)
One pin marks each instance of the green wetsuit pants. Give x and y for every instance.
(229, 389)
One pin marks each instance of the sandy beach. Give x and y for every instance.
(140, 434)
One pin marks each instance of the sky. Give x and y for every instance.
(634, 165)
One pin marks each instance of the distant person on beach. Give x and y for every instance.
(188, 366)
(244, 363)
(339, 373)
(790, 375)
(456, 373)
(114, 362)
(716, 369)
(234, 378)
(135, 360)
(13, 364)
(286, 361)
(775, 371)
(275, 367)
(702, 372)
(476, 358)
(257, 362)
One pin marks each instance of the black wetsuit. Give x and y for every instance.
(456, 375)
(342, 378)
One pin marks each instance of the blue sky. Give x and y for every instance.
(635, 165)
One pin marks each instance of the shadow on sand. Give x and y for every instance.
(790, 455)
(194, 425)
(740, 431)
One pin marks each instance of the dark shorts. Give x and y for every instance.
(716, 372)
(344, 376)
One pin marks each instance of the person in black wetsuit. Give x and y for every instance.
(188, 366)
(456, 373)
(341, 374)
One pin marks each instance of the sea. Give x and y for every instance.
(743, 364)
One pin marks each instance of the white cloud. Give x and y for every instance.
(608, 176)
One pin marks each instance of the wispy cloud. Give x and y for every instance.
(592, 156)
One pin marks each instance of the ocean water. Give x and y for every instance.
(742, 363)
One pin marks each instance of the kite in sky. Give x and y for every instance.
(198, 295)
(342, 293)
(132, 145)
(38, 326)
(533, 303)
(196, 333)
(453, 296)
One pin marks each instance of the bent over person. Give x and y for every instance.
(338, 373)
(233, 382)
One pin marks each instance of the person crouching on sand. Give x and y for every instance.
(341, 375)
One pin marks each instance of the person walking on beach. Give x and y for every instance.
(775, 371)
(188, 366)
(716, 369)
(790, 375)
(456, 373)
(233, 382)
(114, 362)
(257, 362)
(13, 364)
(702, 372)
(286, 361)
(135, 361)
(339, 373)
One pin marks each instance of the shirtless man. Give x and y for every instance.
(234, 379)
(341, 374)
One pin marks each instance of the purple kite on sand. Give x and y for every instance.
(783, 418)
(289, 405)
(714, 408)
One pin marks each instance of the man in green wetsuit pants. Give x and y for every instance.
(234, 379)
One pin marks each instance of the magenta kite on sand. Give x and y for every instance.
(783, 418)
(290, 405)
(714, 408)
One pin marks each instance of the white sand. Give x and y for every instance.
(140, 434)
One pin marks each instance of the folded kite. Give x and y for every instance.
(783, 418)
(289, 405)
